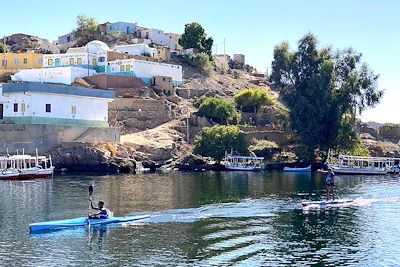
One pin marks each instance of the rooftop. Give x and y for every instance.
(57, 89)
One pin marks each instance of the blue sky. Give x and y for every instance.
(251, 27)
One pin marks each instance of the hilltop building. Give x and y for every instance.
(97, 58)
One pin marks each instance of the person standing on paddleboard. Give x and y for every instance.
(103, 212)
(330, 181)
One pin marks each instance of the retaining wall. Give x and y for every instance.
(49, 137)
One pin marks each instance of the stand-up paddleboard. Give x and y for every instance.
(82, 221)
(326, 203)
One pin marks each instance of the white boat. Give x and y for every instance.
(242, 163)
(22, 167)
(305, 169)
(347, 164)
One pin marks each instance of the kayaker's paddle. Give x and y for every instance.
(91, 189)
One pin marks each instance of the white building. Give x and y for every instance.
(62, 75)
(145, 70)
(37, 103)
(156, 36)
(97, 58)
(136, 49)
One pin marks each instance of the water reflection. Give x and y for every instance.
(227, 218)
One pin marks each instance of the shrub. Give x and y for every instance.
(215, 141)
(264, 148)
(218, 110)
(127, 167)
(236, 74)
(202, 61)
(252, 99)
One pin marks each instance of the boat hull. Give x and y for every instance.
(79, 222)
(366, 171)
(9, 175)
(306, 169)
(242, 168)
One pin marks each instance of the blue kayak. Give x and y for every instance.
(82, 221)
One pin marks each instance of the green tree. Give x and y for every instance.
(320, 86)
(252, 99)
(3, 48)
(215, 141)
(218, 110)
(85, 30)
(195, 37)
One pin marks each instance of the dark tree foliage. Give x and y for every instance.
(320, 86)
(215, 141)
(195, 37)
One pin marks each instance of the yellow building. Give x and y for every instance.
(11, 63)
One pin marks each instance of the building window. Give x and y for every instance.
(128, 67)
(73, 110)
(4, 62)
(93, 61)
(23, 107)
(122, 68)
(15, 107)
(16, 61)
(102, 59)
(40, 61)
(48, 107)
(25, 60)
(71, 61)
(79, 61)
(50, 62)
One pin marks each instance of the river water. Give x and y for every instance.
(204, 219)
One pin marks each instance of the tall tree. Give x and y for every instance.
(320, 86)
(85, 30)
(195, 37)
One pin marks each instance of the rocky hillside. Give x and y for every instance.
(21, 43)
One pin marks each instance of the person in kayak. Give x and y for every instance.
(330, 181)
(103, 212)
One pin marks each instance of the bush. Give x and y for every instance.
(252, 99)
(215, 141)
(236, 74)
(127, 167)
(202, 61)
(218, 110)
(264, 148)
(221, 66)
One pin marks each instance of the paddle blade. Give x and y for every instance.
(90, 189)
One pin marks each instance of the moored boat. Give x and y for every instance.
(290, 169)
(23, 167)
(242, 163)
(78, 222)
(347, 164)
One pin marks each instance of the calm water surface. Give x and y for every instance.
(204, 219)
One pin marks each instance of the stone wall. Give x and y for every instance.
(134, 115)
(104, 81)
(192, 93)
(263, 133)
(49, 137)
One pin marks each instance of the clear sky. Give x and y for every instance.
(251, 27)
